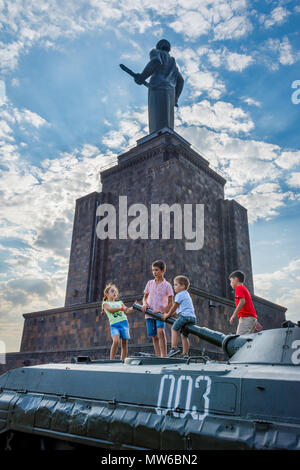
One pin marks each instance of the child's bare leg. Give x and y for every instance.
(162, 341)
(174, 338)
(124, 349)
(185, 344)
(156, 345)
(114, 346)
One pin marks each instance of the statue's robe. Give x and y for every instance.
(166, 84)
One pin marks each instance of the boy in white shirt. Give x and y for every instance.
(183, 305)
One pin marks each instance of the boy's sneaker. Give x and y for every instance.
(173, 352)
(185, 356)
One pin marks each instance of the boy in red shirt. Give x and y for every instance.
(244, 307)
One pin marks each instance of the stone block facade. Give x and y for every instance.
(163, 170)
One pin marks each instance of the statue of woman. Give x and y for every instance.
(165, 86)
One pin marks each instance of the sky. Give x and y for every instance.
(67, 110)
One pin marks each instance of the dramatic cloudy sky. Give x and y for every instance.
(66, 110)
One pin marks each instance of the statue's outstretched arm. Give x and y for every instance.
(150, 68)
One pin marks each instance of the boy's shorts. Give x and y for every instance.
(121, 328)
(152, 326)
(246, 325)
(181, 322)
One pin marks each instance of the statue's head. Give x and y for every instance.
(163, 45)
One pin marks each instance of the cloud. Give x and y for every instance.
(5, 131)
(138, 23)
(36, 212)
(16, 287)
(2, 92)
(27, 116)
(37, 201)
(218, 116)
(136, 53)
(277, 16)
(205, 81)
(194, 66)
(9, 55)
(282, 52)
(198, 78)
(47, 22)
(26, 294)
(288, 159)
(238, 62)
(211, 129)
(235, 28)
(192, 24)
(132, 126)
(294, 180)
(252, 102)
(282, 287)
(219, 19)
(286, 56)
(231, 60)
(263, 201)
(55, 238)
(27, 212)
(256, 183)
(15, 82)
(249, 166)
(22, 121)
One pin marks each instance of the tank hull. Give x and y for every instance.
(155, 404)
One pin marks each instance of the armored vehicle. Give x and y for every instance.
(250, 401)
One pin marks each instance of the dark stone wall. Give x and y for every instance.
(84, 326)
(167, 172)
(236, 244)
(163, 170)
(130, 260)
(83, 241)
(269, 315)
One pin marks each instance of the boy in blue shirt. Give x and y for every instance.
(183, 305)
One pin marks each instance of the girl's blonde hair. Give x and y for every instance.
(107, 287)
